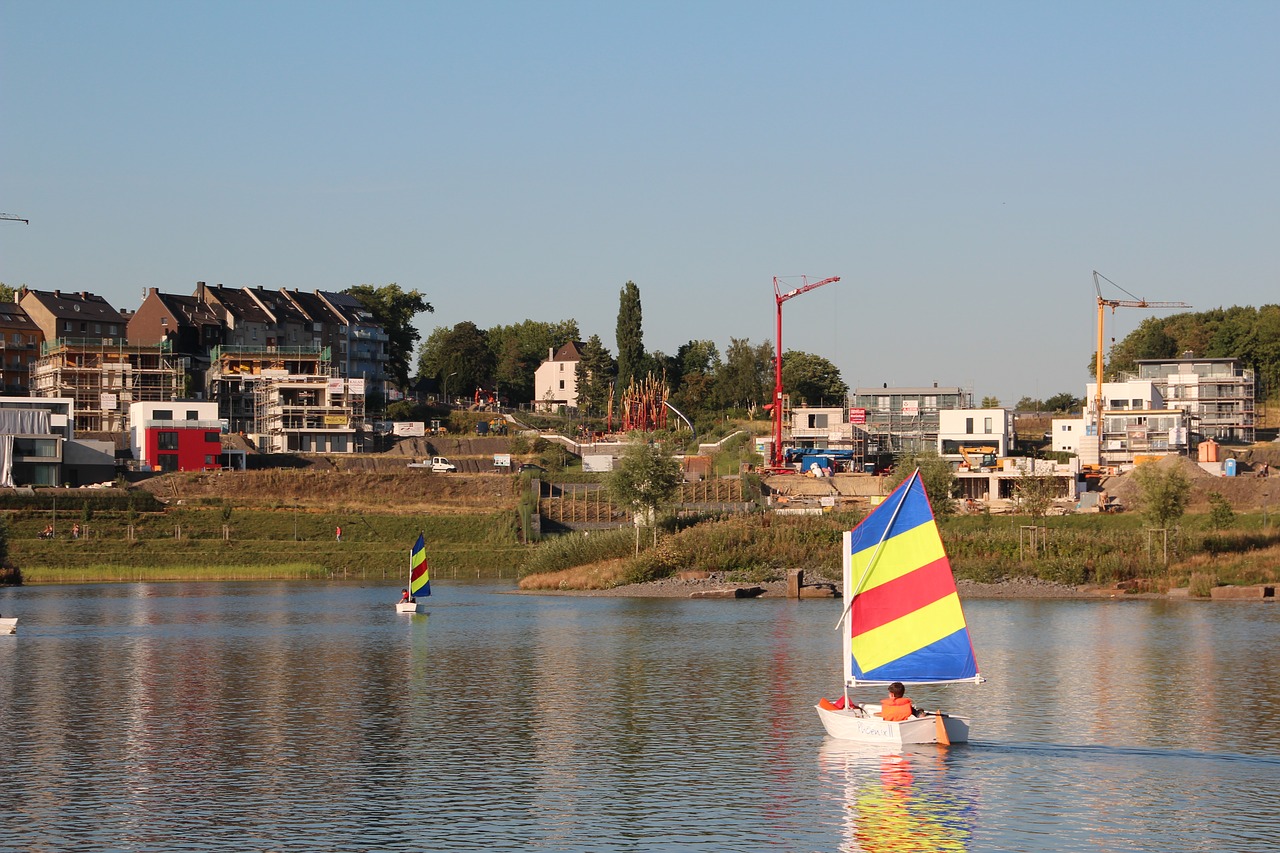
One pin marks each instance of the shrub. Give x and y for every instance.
(1202, 584)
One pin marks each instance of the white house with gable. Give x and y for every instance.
(555, 382)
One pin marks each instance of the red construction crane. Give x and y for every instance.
(1114, 304)
(775, 455)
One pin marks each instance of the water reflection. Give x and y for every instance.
(900, 800)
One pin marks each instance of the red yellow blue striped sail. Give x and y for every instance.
(904, 618)
(419, 576)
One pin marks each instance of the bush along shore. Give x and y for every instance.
(1099, 550)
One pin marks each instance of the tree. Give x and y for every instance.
(520, 348)
(1063, 402)
(1221, 515)
(811, 379)
(6, 292)
(745, 379)
(1035, 493)
(595, 377)
(630, 334)
(394, 310)
(935, 472)
(990, 402)
(1162, 492)
(646, 478)
(459, 357)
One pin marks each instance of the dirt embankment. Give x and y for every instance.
(378, 481)
(1249, 491)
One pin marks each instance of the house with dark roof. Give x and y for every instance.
(245, 321)
(20, 340)
(364, 352)
(76, 317)
(293, 327)
(191, 326)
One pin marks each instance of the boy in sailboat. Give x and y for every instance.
(897, 707)
(405, 596)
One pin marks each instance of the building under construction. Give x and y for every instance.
(105, 376)
(287, 398)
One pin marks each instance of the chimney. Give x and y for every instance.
(200, 290)
(153, 291)
(57, 294)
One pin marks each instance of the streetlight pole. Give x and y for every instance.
(446, 387)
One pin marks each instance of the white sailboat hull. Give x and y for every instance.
(865, 727)
(407, 607)
(9, 625)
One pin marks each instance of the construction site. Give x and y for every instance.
(103, 377)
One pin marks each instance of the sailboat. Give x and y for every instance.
(903, 622)
(419, 577)
(9, 625)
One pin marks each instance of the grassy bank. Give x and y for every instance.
(1099, 549)
(212, 543)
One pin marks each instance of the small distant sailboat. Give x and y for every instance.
(419, 577)
(903, 622)
(9, 625)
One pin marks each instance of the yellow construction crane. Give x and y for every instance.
(1114, 304)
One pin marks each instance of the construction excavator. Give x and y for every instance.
(978, 458)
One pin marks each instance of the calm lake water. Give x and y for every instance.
(311, 717)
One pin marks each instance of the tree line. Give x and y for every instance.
(702, 380)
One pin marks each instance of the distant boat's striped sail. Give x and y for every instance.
(904, 620)
(419, 576)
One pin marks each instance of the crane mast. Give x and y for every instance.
(775, 454)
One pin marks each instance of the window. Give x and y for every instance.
(561, 384)
(167, 461)
(163, 415)
(817, 421)
(210, 460)
(1135, 404)
(212, 438)
(882, 404)
(986, 425)
(193, 415)
(968, 425)
(47, 447)
(167, 441)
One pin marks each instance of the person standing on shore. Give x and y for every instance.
(337, 533)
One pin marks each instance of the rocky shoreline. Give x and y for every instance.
(676, 587)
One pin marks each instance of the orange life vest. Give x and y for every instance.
(895, 710)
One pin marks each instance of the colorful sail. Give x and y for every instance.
(419, 576)
(904, 618)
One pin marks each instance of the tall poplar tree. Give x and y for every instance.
(630, 334)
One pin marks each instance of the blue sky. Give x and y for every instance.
(962, 167)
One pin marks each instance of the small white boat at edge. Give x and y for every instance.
(9, 625)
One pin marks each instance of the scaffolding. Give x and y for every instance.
(236, 372)
(307, 414)
(104, 376)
